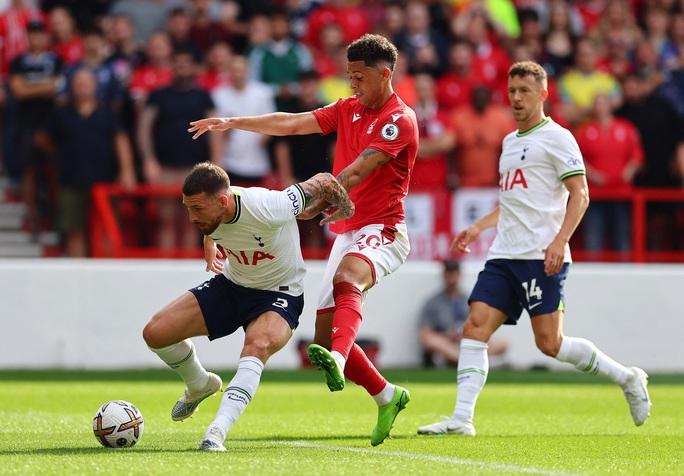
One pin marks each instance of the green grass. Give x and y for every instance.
(532, 421)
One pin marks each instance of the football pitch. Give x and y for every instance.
(527, 422)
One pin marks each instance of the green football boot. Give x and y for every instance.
(388, 413)
(323, 359)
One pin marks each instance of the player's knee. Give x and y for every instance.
(260, 347)
(549, 345)
(151, 333)
(476, 330)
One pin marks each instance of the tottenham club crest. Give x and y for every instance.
(389, 131)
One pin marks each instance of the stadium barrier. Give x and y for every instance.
(63, 313)
(432, 219)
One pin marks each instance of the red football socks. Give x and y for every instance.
(347, 317)
(360, 370)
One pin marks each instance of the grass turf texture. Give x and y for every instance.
(530, 422)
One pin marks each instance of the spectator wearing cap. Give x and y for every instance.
(440, 325)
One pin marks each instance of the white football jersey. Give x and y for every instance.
(532, 197)
(262, 240)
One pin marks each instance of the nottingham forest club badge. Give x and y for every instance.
(389, 131)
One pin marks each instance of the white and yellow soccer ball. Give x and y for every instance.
(118, 424)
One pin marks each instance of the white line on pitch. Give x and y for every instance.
(424, 457)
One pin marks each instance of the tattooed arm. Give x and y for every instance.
(365, 164)
(323, 192)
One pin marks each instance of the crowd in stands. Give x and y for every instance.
(103, 90)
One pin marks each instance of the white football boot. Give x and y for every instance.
(449, 426)
(213, 439)
(188, 402)
(636, 394)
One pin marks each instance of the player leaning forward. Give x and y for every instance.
(260, 288)
(543, 195)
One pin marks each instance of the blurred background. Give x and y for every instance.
(96, 96)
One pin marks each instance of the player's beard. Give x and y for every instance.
(208, 228)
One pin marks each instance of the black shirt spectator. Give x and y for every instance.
(176, 107)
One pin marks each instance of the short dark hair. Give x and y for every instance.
(373, 49)
(205, 177)
(528, 68)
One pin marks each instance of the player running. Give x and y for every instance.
(377, 141)
(543, 196)
(260, 289)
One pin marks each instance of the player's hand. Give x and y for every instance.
(209, 124)
(554, 256)
(214, 257)
(464, 238)
(334, 214)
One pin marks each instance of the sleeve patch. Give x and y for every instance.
(389, 131)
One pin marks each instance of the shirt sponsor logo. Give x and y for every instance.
(511, 179)
(295, 201)
(389, 131)
(573, 162)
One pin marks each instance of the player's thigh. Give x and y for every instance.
(548, 332)
(483, 320)
(266, 335)
(178, 320)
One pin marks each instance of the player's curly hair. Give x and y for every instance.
(528, 68)
(373, 49)
(205, 177)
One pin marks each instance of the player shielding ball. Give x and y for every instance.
(377, 142)
(543, 196)
(259, 289)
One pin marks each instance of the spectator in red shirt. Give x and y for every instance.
(350, 18)
(217, 73)
(612, 154)
(455, 86)
(437, 138)
(13, 37)
(68, 44)
(155, 73)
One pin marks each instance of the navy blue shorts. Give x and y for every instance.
(513, 285)
(227, 306)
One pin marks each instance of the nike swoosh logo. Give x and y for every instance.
(532, 306)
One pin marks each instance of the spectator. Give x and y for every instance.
(331, 41)
(403, 82)
(33, 84)
(350, 18)
(109, 90)
(245, 155)
(205, 30)
(454, 88)
(480, 128)
(612, 153)
(124, 57)
(442, 318)
(436, 139)
(336, 87)
(425, 47)
(178, 26)
(559, 38)
(67, 43)
(279, 61)
(155, 73)
(313, 153)
(168, 151)
(663, 142)
(89, 147)
(147, 16)
(580, 86)
(217, 72)
(13, 32)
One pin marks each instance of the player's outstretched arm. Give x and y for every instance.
(274, 124)
(578, 201)
(470, 234)
(324, 193)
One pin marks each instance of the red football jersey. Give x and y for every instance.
(392, 129)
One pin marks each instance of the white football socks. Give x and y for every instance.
(239, 393)
(473, 365)
(183, 359)
(339, 358)
(585, 356)
(385, 395)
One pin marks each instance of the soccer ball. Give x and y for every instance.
(118, 424)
